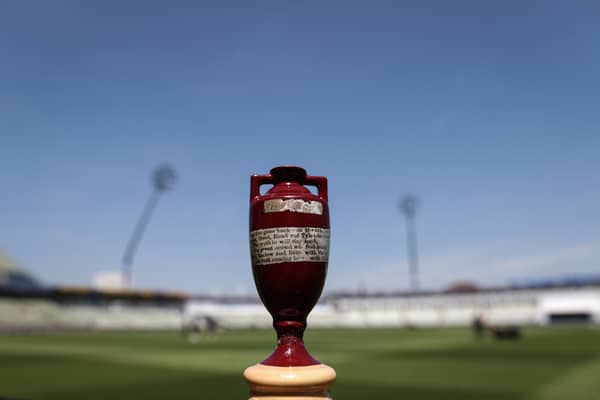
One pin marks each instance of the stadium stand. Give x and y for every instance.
(561, 303)
(27, 305)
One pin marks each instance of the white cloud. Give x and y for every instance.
(563, 260)
(487, 266)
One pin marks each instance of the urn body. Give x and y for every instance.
(289, 244)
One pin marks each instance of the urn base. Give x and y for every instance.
(289, 383)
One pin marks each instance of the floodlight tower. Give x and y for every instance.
(408, 207)
(163, 179)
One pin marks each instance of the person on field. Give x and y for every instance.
(478, 327)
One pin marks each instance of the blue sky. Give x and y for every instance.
(489, 112)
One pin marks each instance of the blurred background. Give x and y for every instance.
(460, 140)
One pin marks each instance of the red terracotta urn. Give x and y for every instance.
(289, 245)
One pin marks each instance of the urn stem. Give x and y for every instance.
(289, 328)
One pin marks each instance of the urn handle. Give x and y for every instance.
(256, 181)
(320, 182)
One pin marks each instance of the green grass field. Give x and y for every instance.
(389, 364)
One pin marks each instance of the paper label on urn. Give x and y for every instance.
(293, 205)
(289, 244)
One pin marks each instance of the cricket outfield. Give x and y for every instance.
(546, 364)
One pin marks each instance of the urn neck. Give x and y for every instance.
(288, 174)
